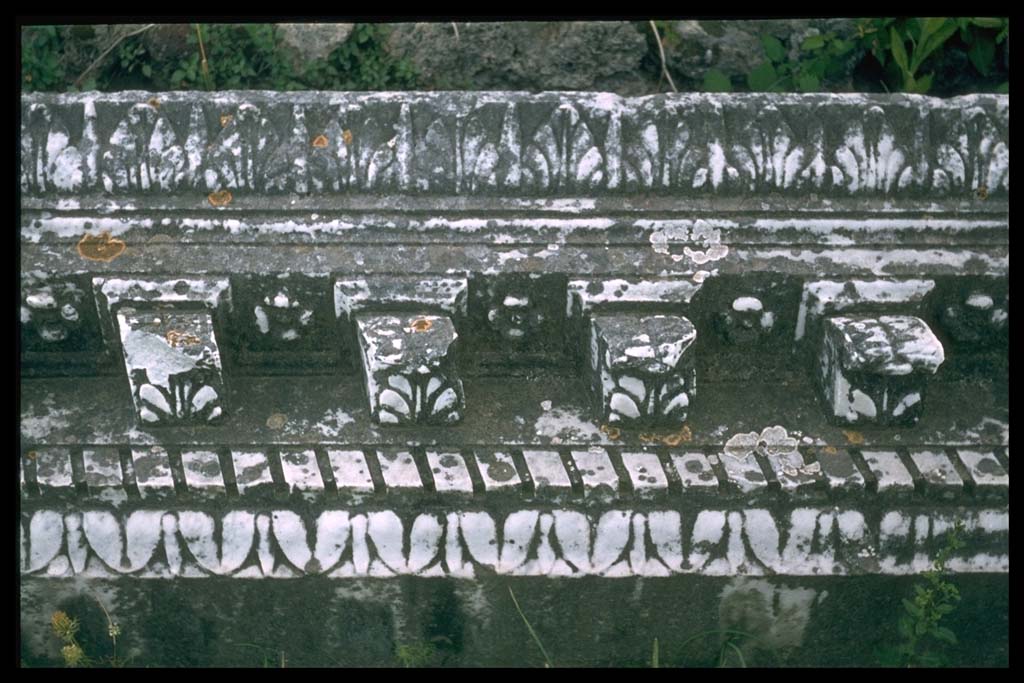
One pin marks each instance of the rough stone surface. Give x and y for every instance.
(985, 471)
(891, 475)
(646, 475)
(695, 472)
(53, 470)
(203, 475)
(839, 469)
(351, 472)
(252, 472)
(309, 42)
(735, 47)
(534, 55)
(547, 473)
(399, 470)
(744, 473)
(940, 476)
(301, 472)
(153, 472)
(450, 472)
(103, 475)
(597, 473)
(498, 471)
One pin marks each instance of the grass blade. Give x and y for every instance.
(743, 662)
(533, 634)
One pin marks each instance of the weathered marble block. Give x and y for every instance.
(641, 368)
(173, 365)
(409, 368)
(874, 370)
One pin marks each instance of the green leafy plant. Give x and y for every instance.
(821, 56)
(41, 68)
(220, 56)
(923, 638)
(716, 81)
(888, 41)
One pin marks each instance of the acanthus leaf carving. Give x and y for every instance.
(976, 156)
(580, 144)
(240, 156)
(479, 155)
(436, 164)
(870, 158)
(770, 158)
(143, 153)
(420, 398)
(49, 160)
(642, 157)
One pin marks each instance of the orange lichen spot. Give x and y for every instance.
(346, 136)
(421, 325)
(982, 192)
(684, 435)
(220, 198)
(612, 432)
(320, 141)
(100, 247)
(31, 455)
(277, 420)
(176, 338)
(225, 119)
(831, 450)
(853, 437)
(153, 102)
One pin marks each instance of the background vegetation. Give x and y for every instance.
(938, 55)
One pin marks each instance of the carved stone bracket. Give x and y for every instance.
(409, 370)
(873, 370)
(641, 367)
(173, 364)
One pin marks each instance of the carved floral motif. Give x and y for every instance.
(720, 144)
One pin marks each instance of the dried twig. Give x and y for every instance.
(98, 60)
(661, 51)
(456, 29)
(204, 65)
